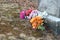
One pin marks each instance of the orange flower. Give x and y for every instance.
(33, 20)
(36, 21)
(34, 25)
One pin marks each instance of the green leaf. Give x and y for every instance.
(41, 27)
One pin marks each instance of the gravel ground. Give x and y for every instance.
(13, 28)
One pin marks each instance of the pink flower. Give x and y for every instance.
(22, 14)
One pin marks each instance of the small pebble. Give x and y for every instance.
(22, 35)
(31, 38)
(3, 37)
(9, 34)
(2, 23)
(16, 28)
(12, 38)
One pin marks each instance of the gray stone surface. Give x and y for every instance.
(51, 6)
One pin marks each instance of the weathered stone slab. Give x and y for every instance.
(51, 6)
